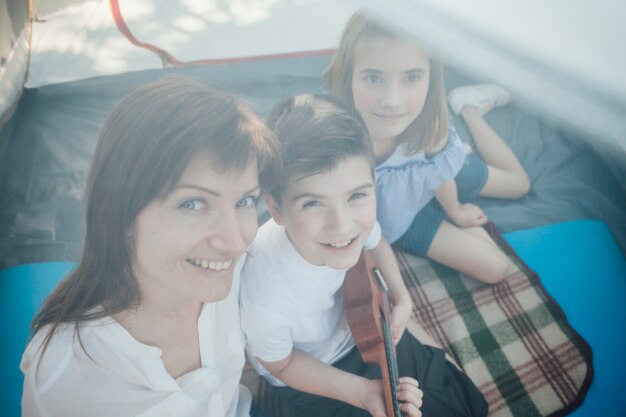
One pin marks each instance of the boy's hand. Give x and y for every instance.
(400, 315)
(468, 215)
(409, 395)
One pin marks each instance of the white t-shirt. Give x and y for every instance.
(124, 377)
(405, 183)
(288, 303)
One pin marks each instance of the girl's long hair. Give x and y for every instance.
(432, 124)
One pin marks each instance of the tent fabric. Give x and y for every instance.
(90, 38)
(81, 64)
(14, 53)
(55, 132)
(562, 57)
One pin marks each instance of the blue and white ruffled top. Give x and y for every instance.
(405, 183)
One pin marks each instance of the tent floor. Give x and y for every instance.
(578, 262)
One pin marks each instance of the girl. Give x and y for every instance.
(399, 92)
(148, 323)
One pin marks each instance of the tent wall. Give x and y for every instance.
(57, 127)
(93, 38)
(82, 64)
(565, 58)
(14, 38)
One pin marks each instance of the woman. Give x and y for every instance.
(148, 323)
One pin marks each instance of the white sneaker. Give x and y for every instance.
(485, 97)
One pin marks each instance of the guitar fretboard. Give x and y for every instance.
(392, 365)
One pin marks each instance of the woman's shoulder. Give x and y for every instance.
(47, 367)
(62, 336)
(73, 351)
(94, 364)
(49, 355)
(91, 339)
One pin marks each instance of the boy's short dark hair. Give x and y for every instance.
(316, 133)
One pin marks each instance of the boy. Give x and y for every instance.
(324, 214)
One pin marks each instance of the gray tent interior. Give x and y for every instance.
(565, 122)
(50, 139)
(563, 63)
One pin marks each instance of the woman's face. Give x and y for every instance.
(187, 243)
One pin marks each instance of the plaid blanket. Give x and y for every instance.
(512, 339)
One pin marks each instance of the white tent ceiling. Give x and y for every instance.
(84, 39)
(562, 57)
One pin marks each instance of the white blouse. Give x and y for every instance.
(405, 183)
(123, 377)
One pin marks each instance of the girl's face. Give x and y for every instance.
(187, 244)
(389, 85)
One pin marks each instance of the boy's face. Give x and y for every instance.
(329, 216)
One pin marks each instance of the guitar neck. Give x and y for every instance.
(390, 374)
(367, 310)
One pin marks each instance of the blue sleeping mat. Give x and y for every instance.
(581, 266)
(578, 263)
(23, 290)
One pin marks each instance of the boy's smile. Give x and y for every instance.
(329, 216)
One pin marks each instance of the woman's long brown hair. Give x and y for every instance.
(145, 144)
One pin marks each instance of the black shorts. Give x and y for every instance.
(447, 391)
(420, 234)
